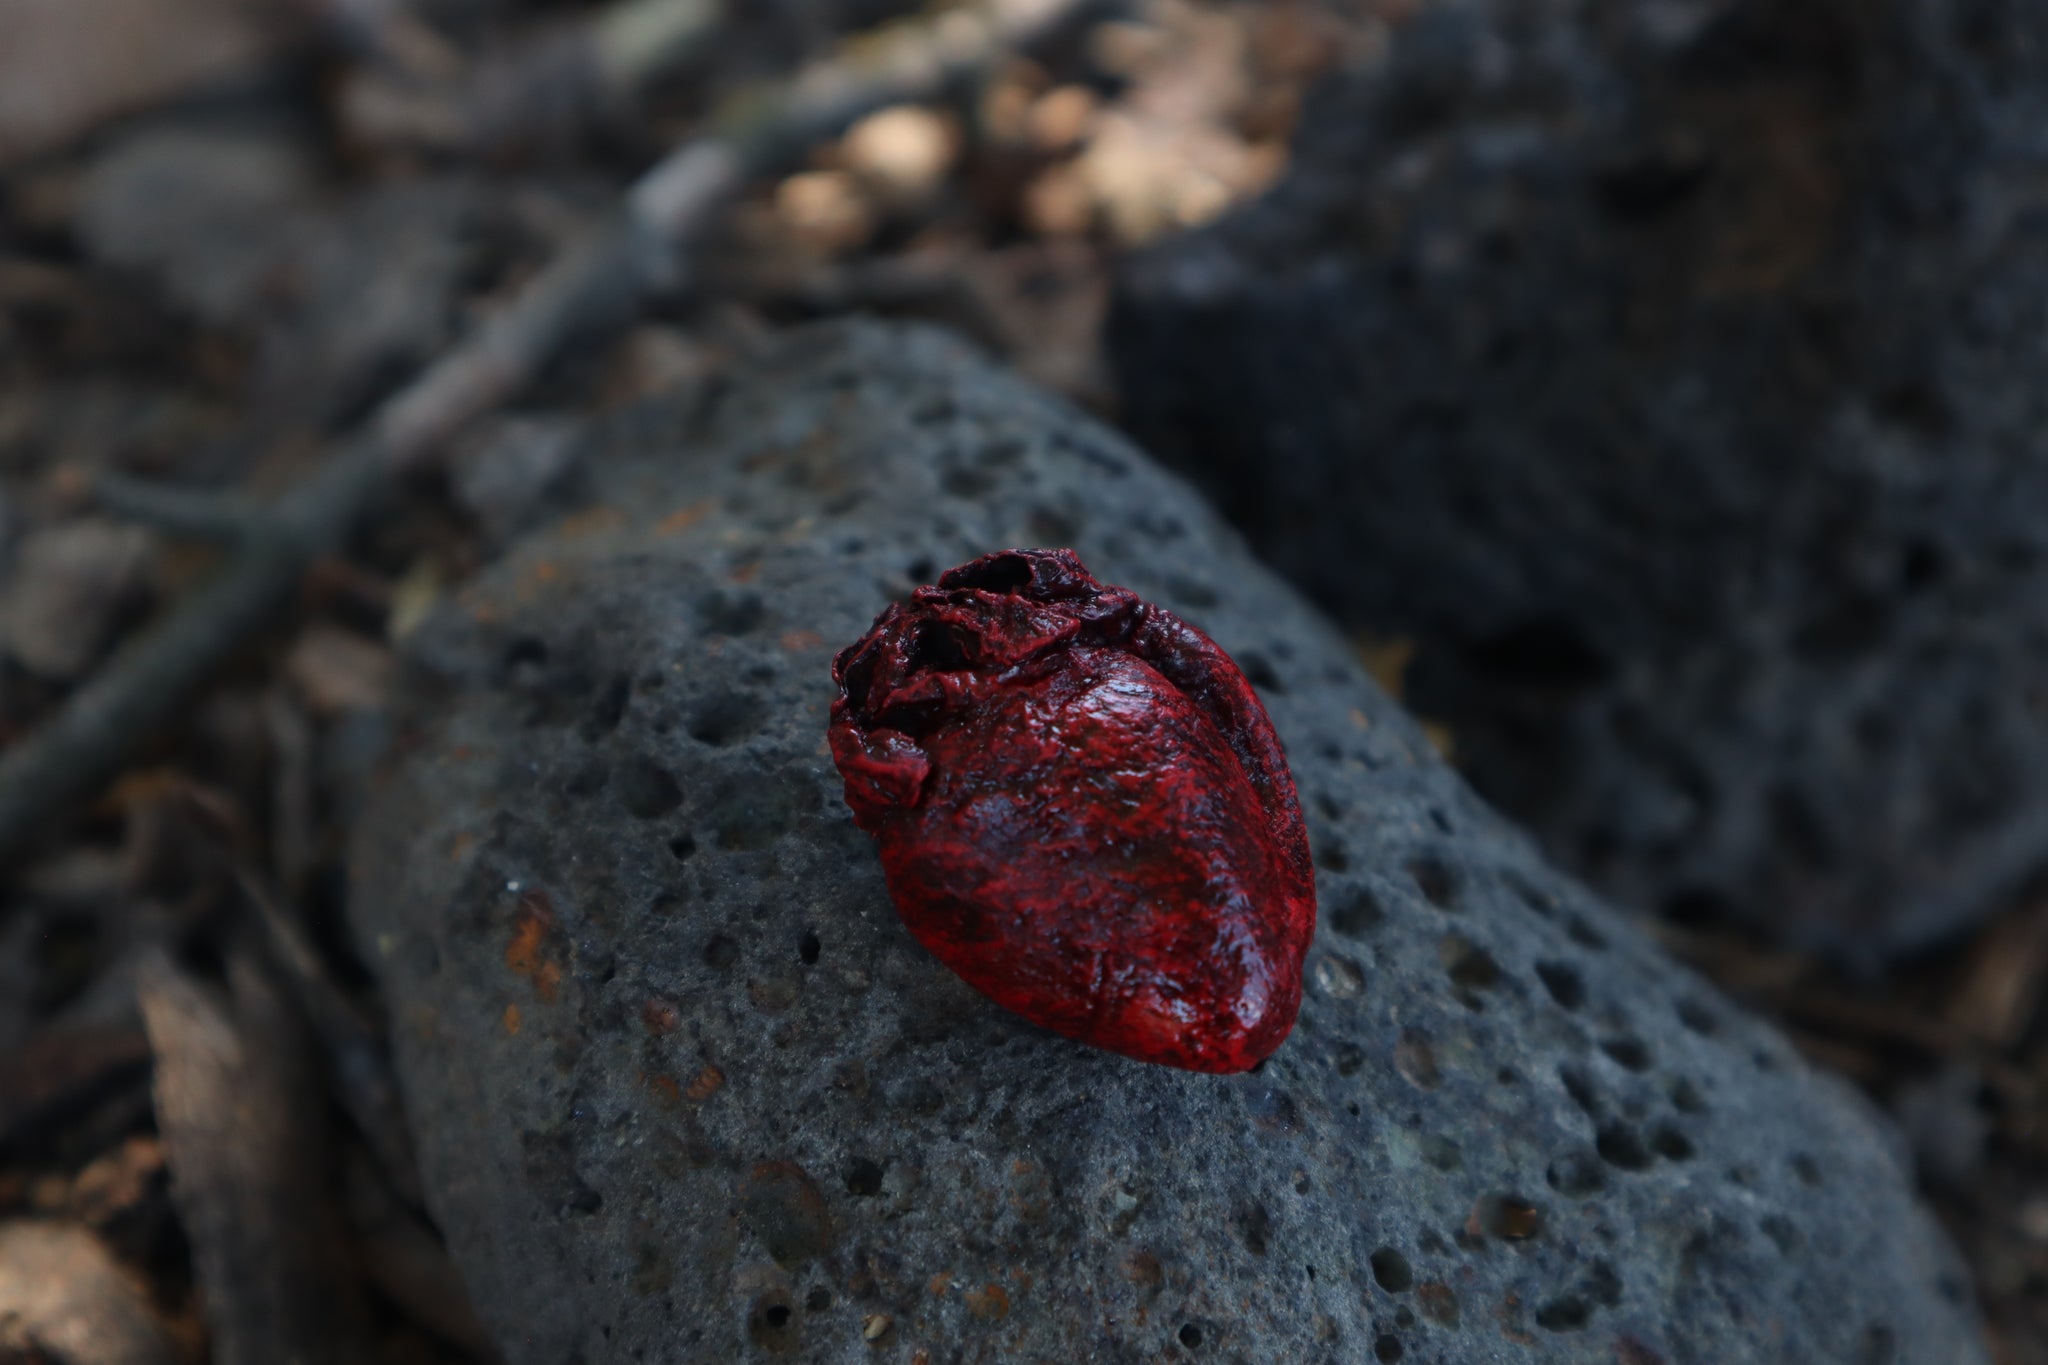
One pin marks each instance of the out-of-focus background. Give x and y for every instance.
(1651, 389)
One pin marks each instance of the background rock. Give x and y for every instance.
(1669, 372)
(685, 1090)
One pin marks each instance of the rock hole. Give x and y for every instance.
(1669, 1142)
(1339, 978)
(1349, 1057)
(969, 483)
(807, 948)
(754, 815)
(610, 707)
(588, 778)
(645, 789)
(1192, 593)
(1049, 526)
(1435, 880)
(1576, 1175)
(1469, 966)
(1563, 982)
(1806, 1168)
(524, 653)
(863, 1178)
(1629, 1053)
(818, 1300)
(1697, 1017)
(1258, 671)
(1330, 855)
(1442, 1154)
(1439, 1302)
(1254, 1227)
(1003, 453)
(1386, 1349)
(721, 614)
(1584, 934)
(727, 718)
(1784, 1236)
(681, 847)
(1511, 1217)
(721, 952)
(1526, 892)
(1190, 1336)
(1880, 1346)
(921, 570)
(1620, 1148)
(1568, 1314)
(1357, 914)
(1415, 1059)
(1686, 1097)
(1580, 1087)
(1329, 807)
(1390, 1270)
(1507, 1075)
(769, 1325)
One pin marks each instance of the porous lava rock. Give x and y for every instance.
(686, 1090)
(1670, 374)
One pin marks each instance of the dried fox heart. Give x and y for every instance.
(1082, 809)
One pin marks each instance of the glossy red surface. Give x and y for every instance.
(1082, 809)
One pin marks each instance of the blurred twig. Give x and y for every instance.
(546, 88)
(593, 285)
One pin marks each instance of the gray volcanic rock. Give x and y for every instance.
(685, 1090)
(1671, 374)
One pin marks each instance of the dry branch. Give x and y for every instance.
(592, 286)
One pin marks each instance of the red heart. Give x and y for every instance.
(1082, 809)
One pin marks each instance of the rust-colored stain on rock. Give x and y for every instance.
(525, 952)
(989, 1303)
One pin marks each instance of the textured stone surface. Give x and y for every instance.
(685, 1090)
(1671, 373)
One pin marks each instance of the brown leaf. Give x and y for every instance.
(67, 65)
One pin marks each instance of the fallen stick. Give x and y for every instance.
(549, 87)
(592, 286)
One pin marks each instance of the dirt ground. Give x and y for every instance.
(238, 248)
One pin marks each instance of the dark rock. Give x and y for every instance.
(1670, 374)
(685, 1090)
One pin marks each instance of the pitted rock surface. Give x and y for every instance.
(1670, 375)
(685, 1090)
